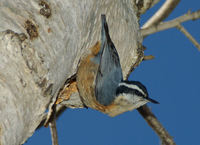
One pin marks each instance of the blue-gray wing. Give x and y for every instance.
(109, 73)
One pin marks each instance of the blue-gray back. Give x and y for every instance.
(109, 73)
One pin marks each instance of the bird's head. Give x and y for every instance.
(129, 95)
(133, 92)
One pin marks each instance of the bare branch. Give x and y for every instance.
(162, 13)
(144, 5)
(148, 57)
(59, 110)
(156, 125)
(170, 24)
(188, 35)
(54, 135)
(145, 111)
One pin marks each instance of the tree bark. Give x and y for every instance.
(40, 45)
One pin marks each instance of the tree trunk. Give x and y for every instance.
(40, 45)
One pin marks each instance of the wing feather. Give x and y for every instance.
(109, 73)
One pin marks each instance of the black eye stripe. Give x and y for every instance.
(124, 89)
(140, 85)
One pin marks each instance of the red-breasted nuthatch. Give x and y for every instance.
(100, 82)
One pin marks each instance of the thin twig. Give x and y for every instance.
(54, 135)
(188, 35)
(52, 106)
(59, 110)
(156, 125)
(148, 57)
(162, 13)
(170, 24)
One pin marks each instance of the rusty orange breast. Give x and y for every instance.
(86, 75)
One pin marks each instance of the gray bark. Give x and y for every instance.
(40, 45)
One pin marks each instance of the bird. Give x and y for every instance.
(100, 80)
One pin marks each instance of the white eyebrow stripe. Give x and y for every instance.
(132, 86)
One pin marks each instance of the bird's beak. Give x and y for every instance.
(152, 100)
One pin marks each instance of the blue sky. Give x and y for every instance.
(172, 78)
